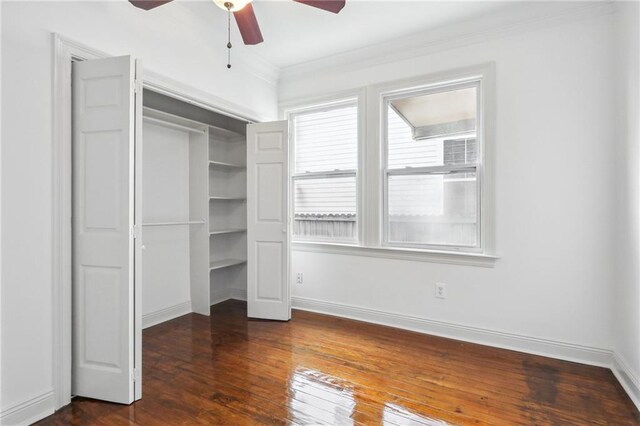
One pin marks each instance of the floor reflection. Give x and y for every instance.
(396, 415)
(318, 396)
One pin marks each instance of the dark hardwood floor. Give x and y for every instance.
(318, 369)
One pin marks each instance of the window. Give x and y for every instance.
(325, 145)
(424, 181)
(431, 190)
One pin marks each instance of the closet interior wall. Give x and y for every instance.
(194, 207)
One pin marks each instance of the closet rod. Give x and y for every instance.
(190, 222)
(173, 125)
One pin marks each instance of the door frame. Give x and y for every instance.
(66, 51)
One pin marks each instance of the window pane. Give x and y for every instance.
(433, 209)
(326, 140)
(432, 130)
(325, 208)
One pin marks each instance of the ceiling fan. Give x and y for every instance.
(245, 17)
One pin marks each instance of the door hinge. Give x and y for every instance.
(135, 231)
(135, 375)
(136, 86)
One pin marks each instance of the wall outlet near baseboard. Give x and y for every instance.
(299, 278)
(441, 291)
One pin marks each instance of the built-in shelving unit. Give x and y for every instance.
(226, 198)
(195, 226)
(223, 165)
(227, 212)
(224, 263)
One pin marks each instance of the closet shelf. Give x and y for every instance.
(223, 165)
(219, 264)
(216, 197)
(170, 123)
(227, 231)
(189, 222)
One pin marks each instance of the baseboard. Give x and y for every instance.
(629, 379)
(30, 411)
(220, 295)
(225, 294)
(238, 294)
(532, 345)
(166, 314)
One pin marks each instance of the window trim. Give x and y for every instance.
(371, 178)
(326, 175)
(404, 253)
(319, 105)
(385, 103)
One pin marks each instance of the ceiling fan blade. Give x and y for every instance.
(148, 4)
(334, 6)
(248, 25)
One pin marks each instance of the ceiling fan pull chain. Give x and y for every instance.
(229, 45)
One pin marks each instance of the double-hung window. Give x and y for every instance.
(325, 157)
(432, 196)
(425, 176)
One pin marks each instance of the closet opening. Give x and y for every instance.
(159, 219)
(194, 208)
(209, 204)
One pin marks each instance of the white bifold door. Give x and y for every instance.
(268, 293)
(107, 152)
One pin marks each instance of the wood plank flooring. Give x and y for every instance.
(318, 369)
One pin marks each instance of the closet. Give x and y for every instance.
(194, 208)
(163, 223)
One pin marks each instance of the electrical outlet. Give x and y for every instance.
(299, 278)
(441, 290)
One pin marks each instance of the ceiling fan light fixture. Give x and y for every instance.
(231, 5)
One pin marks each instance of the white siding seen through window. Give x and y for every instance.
(325, 164)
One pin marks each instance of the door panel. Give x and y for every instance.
(268, 293)
(104, 314)
(269, 257)
(269, 193)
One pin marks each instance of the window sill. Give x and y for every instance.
(434, 256)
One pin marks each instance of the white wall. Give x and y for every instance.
(170, 44)
(554, 192)
(627, 302)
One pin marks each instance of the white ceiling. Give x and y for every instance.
(295, 33)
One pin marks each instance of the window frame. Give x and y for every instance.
(385, 103)
(326, 104)
(370, 166)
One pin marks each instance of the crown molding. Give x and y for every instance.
(515, 20)
(257, 66)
